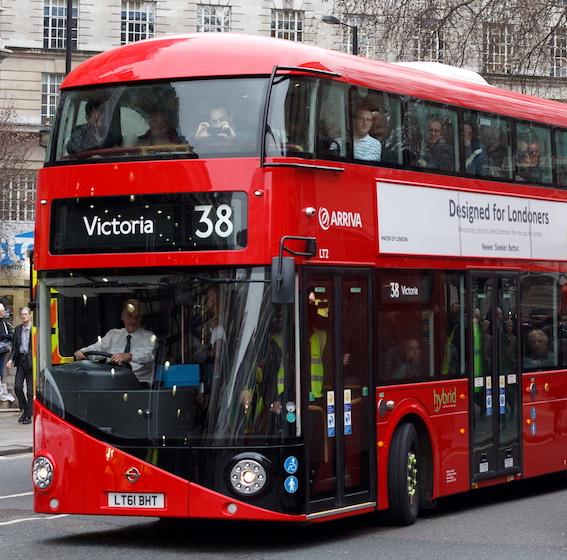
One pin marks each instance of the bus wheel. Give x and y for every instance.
(403, 475)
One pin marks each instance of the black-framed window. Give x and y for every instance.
(543, 323)
(486, 144)
(432, 136)
(532, 157)
(560, 140)
(420, 325)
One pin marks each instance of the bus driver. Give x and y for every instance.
(132, 344)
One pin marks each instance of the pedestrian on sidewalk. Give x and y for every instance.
(6, 333)
(21, 359)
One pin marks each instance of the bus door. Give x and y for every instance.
(495, 376)
(337, 389)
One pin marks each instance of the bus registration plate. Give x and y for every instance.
(131, 500)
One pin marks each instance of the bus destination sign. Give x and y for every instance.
(202, 221)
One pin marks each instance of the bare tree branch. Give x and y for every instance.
(16, 144)
(517, 40)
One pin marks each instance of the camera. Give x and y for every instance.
(216, 130)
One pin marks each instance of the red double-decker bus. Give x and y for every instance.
(281, 283)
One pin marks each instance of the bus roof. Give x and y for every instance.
(231, 54)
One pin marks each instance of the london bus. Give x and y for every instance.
(351, 276)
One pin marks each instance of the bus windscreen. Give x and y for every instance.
(174, 119)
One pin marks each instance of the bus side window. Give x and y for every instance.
(387, 128)
(452, 326)
(540, 300)
(291, 121)
(433, 135)
(561, 157)
(494, 137)
(406, 328)
(533, 153)
(331, 132)
(474, 151)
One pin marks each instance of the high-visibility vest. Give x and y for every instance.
(317, 343)
(477, 349)
(280, 375)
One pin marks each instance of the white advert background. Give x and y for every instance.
(415, 220)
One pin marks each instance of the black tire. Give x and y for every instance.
(403, 475)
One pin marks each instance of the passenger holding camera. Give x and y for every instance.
(219, 125)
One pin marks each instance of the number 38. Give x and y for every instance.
(223, 226)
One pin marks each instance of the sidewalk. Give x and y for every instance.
(14, 437)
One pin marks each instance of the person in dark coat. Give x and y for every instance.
(435, 152)
(6, 333)
(21, 359)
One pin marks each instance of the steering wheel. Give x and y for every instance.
(97, 353)
(106, 355)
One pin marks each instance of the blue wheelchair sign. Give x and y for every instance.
(291, 464)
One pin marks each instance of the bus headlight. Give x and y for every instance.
(247, 477)
(42, 472)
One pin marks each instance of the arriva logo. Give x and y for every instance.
(338, 218)
(444, 399)
(117, 227)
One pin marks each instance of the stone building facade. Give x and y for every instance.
(32, 65)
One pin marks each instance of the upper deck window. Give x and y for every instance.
(487, 148)
(375, 126)
(185, 119)
(533, 153)
(432, 133)
(561, 157)
(291, 121)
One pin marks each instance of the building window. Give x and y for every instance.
(558, 42)
(138, 21)
(213, 19)
(428, 41)
(18, 198)
(498, 48)
(366, 34)
(287, 24)
(49, 96)
(55, 24)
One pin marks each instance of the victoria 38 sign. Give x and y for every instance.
(136, 223)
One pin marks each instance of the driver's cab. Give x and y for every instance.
(209, 332)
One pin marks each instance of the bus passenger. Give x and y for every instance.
(475, 157)
(95, 133)
(538, 353)
(220, 125)
(497, 159)
(435, 152)
(365, 146)
(162, 130)
(131, 345)
(382, 131)
(528, 161)
(410, 367)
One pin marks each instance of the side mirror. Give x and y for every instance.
(283, 280)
